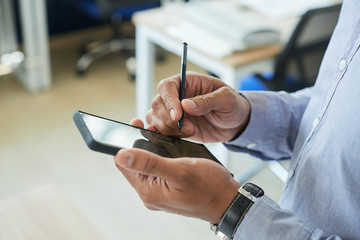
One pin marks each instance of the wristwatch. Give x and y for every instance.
(235, 213)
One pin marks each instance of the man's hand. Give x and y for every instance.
(191, 187)
(213, 111)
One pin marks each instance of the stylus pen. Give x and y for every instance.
(182, 80)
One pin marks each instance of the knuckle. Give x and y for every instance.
(156, 101)
(231, 95)
(191, 72)
(162, 84)
(227, 91)
(165, 83)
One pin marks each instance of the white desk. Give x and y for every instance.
(150, 30)
(34, 72)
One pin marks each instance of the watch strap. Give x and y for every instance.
(237, 210)
(253, 190)
(234, 215)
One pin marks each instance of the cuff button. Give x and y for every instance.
(251, 146)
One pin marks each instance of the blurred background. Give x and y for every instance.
(61, 56)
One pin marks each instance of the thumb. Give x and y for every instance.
(144, 162)
(203, 104)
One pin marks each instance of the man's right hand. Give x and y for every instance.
(213, 111)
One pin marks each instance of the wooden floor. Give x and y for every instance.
(40, 148)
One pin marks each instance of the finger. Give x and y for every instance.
(144, 162)
(168, 90)
(203, 104)
(137, 123)
(162, 124)
(152, 128)
(159, 113)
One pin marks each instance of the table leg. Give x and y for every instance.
(35, 73)
(144, 71)
(8, 40)
(11, 58)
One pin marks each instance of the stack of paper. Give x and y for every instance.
(280, 9)
(219, 28)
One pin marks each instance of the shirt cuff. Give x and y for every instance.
(266, 220)
(264, 127)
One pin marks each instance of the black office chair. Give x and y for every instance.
(115, 12)
(298, 64)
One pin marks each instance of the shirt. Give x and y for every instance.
(319, 130)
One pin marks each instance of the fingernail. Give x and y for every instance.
(172, 114)
(127, 159)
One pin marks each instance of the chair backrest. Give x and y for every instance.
(298, 64)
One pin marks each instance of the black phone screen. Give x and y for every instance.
(109, 136)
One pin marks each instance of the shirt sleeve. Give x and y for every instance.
(271, 133)
(274, 124)
(266, 220)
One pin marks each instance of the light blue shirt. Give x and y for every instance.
(319, 129)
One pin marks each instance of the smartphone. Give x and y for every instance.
(109, 136)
